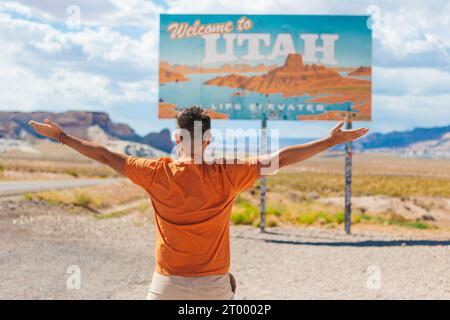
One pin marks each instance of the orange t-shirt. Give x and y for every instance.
(192, 204)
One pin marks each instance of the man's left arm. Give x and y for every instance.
(294, 154)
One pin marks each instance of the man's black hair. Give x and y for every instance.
(186, 119)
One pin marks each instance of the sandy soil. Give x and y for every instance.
(411, 208)
(115, 257)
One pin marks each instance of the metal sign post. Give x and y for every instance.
(262, 223)
(348, 181)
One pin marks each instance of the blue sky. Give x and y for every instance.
(106, 57)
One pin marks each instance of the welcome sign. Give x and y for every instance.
(285, 67)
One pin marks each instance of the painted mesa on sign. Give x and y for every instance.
(296, 79)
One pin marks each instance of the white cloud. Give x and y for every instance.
(10, 6)
(101, 43)
(111, 13)
(409, 111)
(41, 66)
(411, 81)
(96, 43)
(264, 6)
(134, 12)
(22, 90)
(414, 29)
(142, 91)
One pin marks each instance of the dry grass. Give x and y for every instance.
(142, 209)
(52, 161)
(93, 198)
(35, 169)
(292, 193)
(311, 213)
(376, 164)
(332, 184)
(373, 174)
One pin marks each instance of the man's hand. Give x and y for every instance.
(48, 129)
(338, 136)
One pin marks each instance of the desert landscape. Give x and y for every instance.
(59, 210)
(118, 73)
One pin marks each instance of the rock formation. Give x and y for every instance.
(14, 125)
(295, 78)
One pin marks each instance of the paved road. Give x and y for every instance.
(11, 188)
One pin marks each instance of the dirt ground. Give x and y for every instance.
(39, 249)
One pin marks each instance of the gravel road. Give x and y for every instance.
(39, 249)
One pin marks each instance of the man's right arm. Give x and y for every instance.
(89, 149)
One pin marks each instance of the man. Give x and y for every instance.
(192, 200)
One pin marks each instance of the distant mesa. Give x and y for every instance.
(14, 125)
(295, 78)
(406, 138)
(420, 142)
(159, 140)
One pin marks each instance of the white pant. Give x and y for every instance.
(165, 287)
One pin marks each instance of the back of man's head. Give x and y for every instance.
(190, 118)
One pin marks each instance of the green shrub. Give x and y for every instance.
(244, 212)
(277, 211)
(115, 214)
(83, 200)
(28, 196)
(417, 225)
(340, 217)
